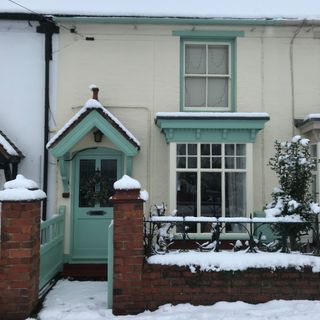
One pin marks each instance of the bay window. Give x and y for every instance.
(211, 180)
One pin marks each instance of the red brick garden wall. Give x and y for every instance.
(19, 259)
(172, 284)
(139, 286)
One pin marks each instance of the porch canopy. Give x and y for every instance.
(92, 116)
(310, 126)
(10, 156)
(211, 126)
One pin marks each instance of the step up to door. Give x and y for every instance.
(85, 271)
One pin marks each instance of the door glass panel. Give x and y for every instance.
(86, 183)
(108, 178)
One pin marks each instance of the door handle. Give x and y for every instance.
(96, 213)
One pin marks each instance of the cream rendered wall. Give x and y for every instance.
(137, 71)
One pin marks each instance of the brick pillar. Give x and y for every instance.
(20, 256)
(20, 248)
(128, 297)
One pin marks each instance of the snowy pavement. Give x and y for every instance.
(75, 300)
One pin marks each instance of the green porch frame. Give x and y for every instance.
(74, 134)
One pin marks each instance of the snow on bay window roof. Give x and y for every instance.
(8, 148)
(213, 115)
(227, 9)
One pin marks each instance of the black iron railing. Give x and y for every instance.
(162, 233)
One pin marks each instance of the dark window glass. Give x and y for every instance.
(216, 149)
(192, 149)
(181, 149)
(187, 197)
(211, 199)
(229, 150)
(205, 162)
(241, 149)
(216, 162)
(181, 162)
(205, 149)
(235, 191)
(192, 162)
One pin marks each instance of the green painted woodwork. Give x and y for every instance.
(64, 166)
(177, 21)
(110, 265)
(265, 229)
(209, 34)
(205, 37)
(213, 129)
(52, 246)
(93, 120)
(129, 166)
(89, 233)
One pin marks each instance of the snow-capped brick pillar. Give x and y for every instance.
(128, 247)
(20, 248)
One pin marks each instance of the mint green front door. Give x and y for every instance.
(95, 171)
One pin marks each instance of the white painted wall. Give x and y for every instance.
(137, 70)
(22, 96)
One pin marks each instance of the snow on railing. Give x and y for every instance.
(162, 231)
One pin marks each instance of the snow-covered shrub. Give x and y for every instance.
(293, 165)
(159, 236)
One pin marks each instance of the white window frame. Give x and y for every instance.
(207, 75)
(316, 172)
(249, 180)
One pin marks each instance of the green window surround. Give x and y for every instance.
(208, 70)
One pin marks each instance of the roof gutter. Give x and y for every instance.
(20, 16)
(182, 20)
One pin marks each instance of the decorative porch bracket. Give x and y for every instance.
(64, 166)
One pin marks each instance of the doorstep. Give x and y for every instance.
(85, 271)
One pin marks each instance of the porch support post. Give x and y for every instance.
(129, 165)
(64, 165)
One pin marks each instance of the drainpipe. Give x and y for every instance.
(293, 106)
(48, 28)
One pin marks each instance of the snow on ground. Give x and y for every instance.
(233, 261)
(74, 300)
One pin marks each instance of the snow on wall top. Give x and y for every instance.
(8, 146)
(21, 189)
(312, 116)
(21, 182)
(92, 104)
(233, 261)
(284, 9)
(126, 183)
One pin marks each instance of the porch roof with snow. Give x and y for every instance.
(310, 126)
(10, 156)
(8, 149)
(93, 115)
